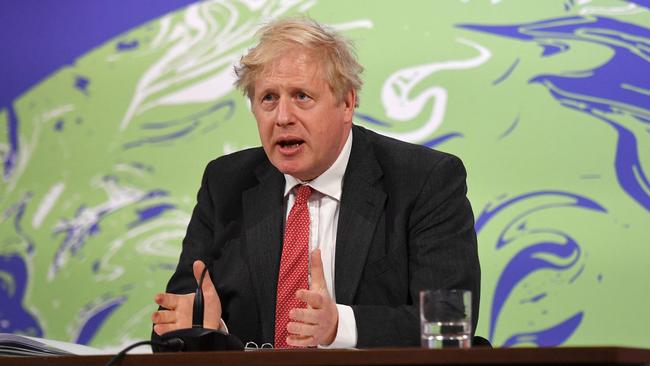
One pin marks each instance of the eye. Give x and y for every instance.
(267, 98)
(301, 96)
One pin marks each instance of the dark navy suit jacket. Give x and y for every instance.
(405, 224)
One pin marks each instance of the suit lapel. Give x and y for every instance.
(263, 220)
(362, 203)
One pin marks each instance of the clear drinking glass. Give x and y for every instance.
(445, 318)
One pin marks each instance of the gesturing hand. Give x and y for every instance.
(179, 307)
(317, 324)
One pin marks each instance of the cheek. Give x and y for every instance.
(264, 128)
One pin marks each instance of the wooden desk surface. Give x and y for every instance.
(401, 357)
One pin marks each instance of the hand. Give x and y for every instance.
(318, 323)
(179, 307)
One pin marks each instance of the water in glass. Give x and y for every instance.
(437, 335)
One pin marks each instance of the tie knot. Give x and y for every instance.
(302, 193)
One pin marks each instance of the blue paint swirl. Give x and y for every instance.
(86, 223)
(507, 73)
(510, 129)
(559, 254)
(562, 199)
(439, 140)
(151, 212)
(535, 298)
(527, 261)
(127, 45)
(14, 318)
(81, 83)
(629, 171)
(618, 87)
(96, 319)
(434, 142)
(18, 211)
(550, 337)
(177, 128)
(96, 266)
(370, 119)
(553, 48)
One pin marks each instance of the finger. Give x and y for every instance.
(299, 341)
(167, 301)
(208, 286)
(161, 329)
(317, 273)
(309, 316)
(301, 329)
(163, 316)
(312, 298)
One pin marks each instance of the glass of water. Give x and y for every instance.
(445, 318)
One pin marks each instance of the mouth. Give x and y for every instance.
(290, 143)
(290, 146)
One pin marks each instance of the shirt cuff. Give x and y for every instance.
(222, 326)
(346, 332)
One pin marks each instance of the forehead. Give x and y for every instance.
(293, 66)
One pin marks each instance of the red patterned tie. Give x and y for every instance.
(294, 264)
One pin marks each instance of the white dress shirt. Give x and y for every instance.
(324, 205)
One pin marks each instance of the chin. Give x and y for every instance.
(294, 169)
(289, 169)
(296, 173)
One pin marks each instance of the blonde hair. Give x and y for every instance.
(342, 71)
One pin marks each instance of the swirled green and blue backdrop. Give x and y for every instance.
(111, 109)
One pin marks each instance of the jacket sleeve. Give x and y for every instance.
(196, 244)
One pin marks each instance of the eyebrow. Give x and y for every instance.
(291, 89)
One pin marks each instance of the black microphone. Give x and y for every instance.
(197, 306)
(197, 338)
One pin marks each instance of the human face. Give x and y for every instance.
(302, 124)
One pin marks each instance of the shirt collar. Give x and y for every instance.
(329, 183)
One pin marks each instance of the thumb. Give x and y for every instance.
(317, 274)
(212, 310)
(198, 268)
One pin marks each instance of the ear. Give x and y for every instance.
(349, 103)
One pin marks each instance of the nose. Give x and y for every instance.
(284, 112)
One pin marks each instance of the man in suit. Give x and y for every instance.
(385, 218)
